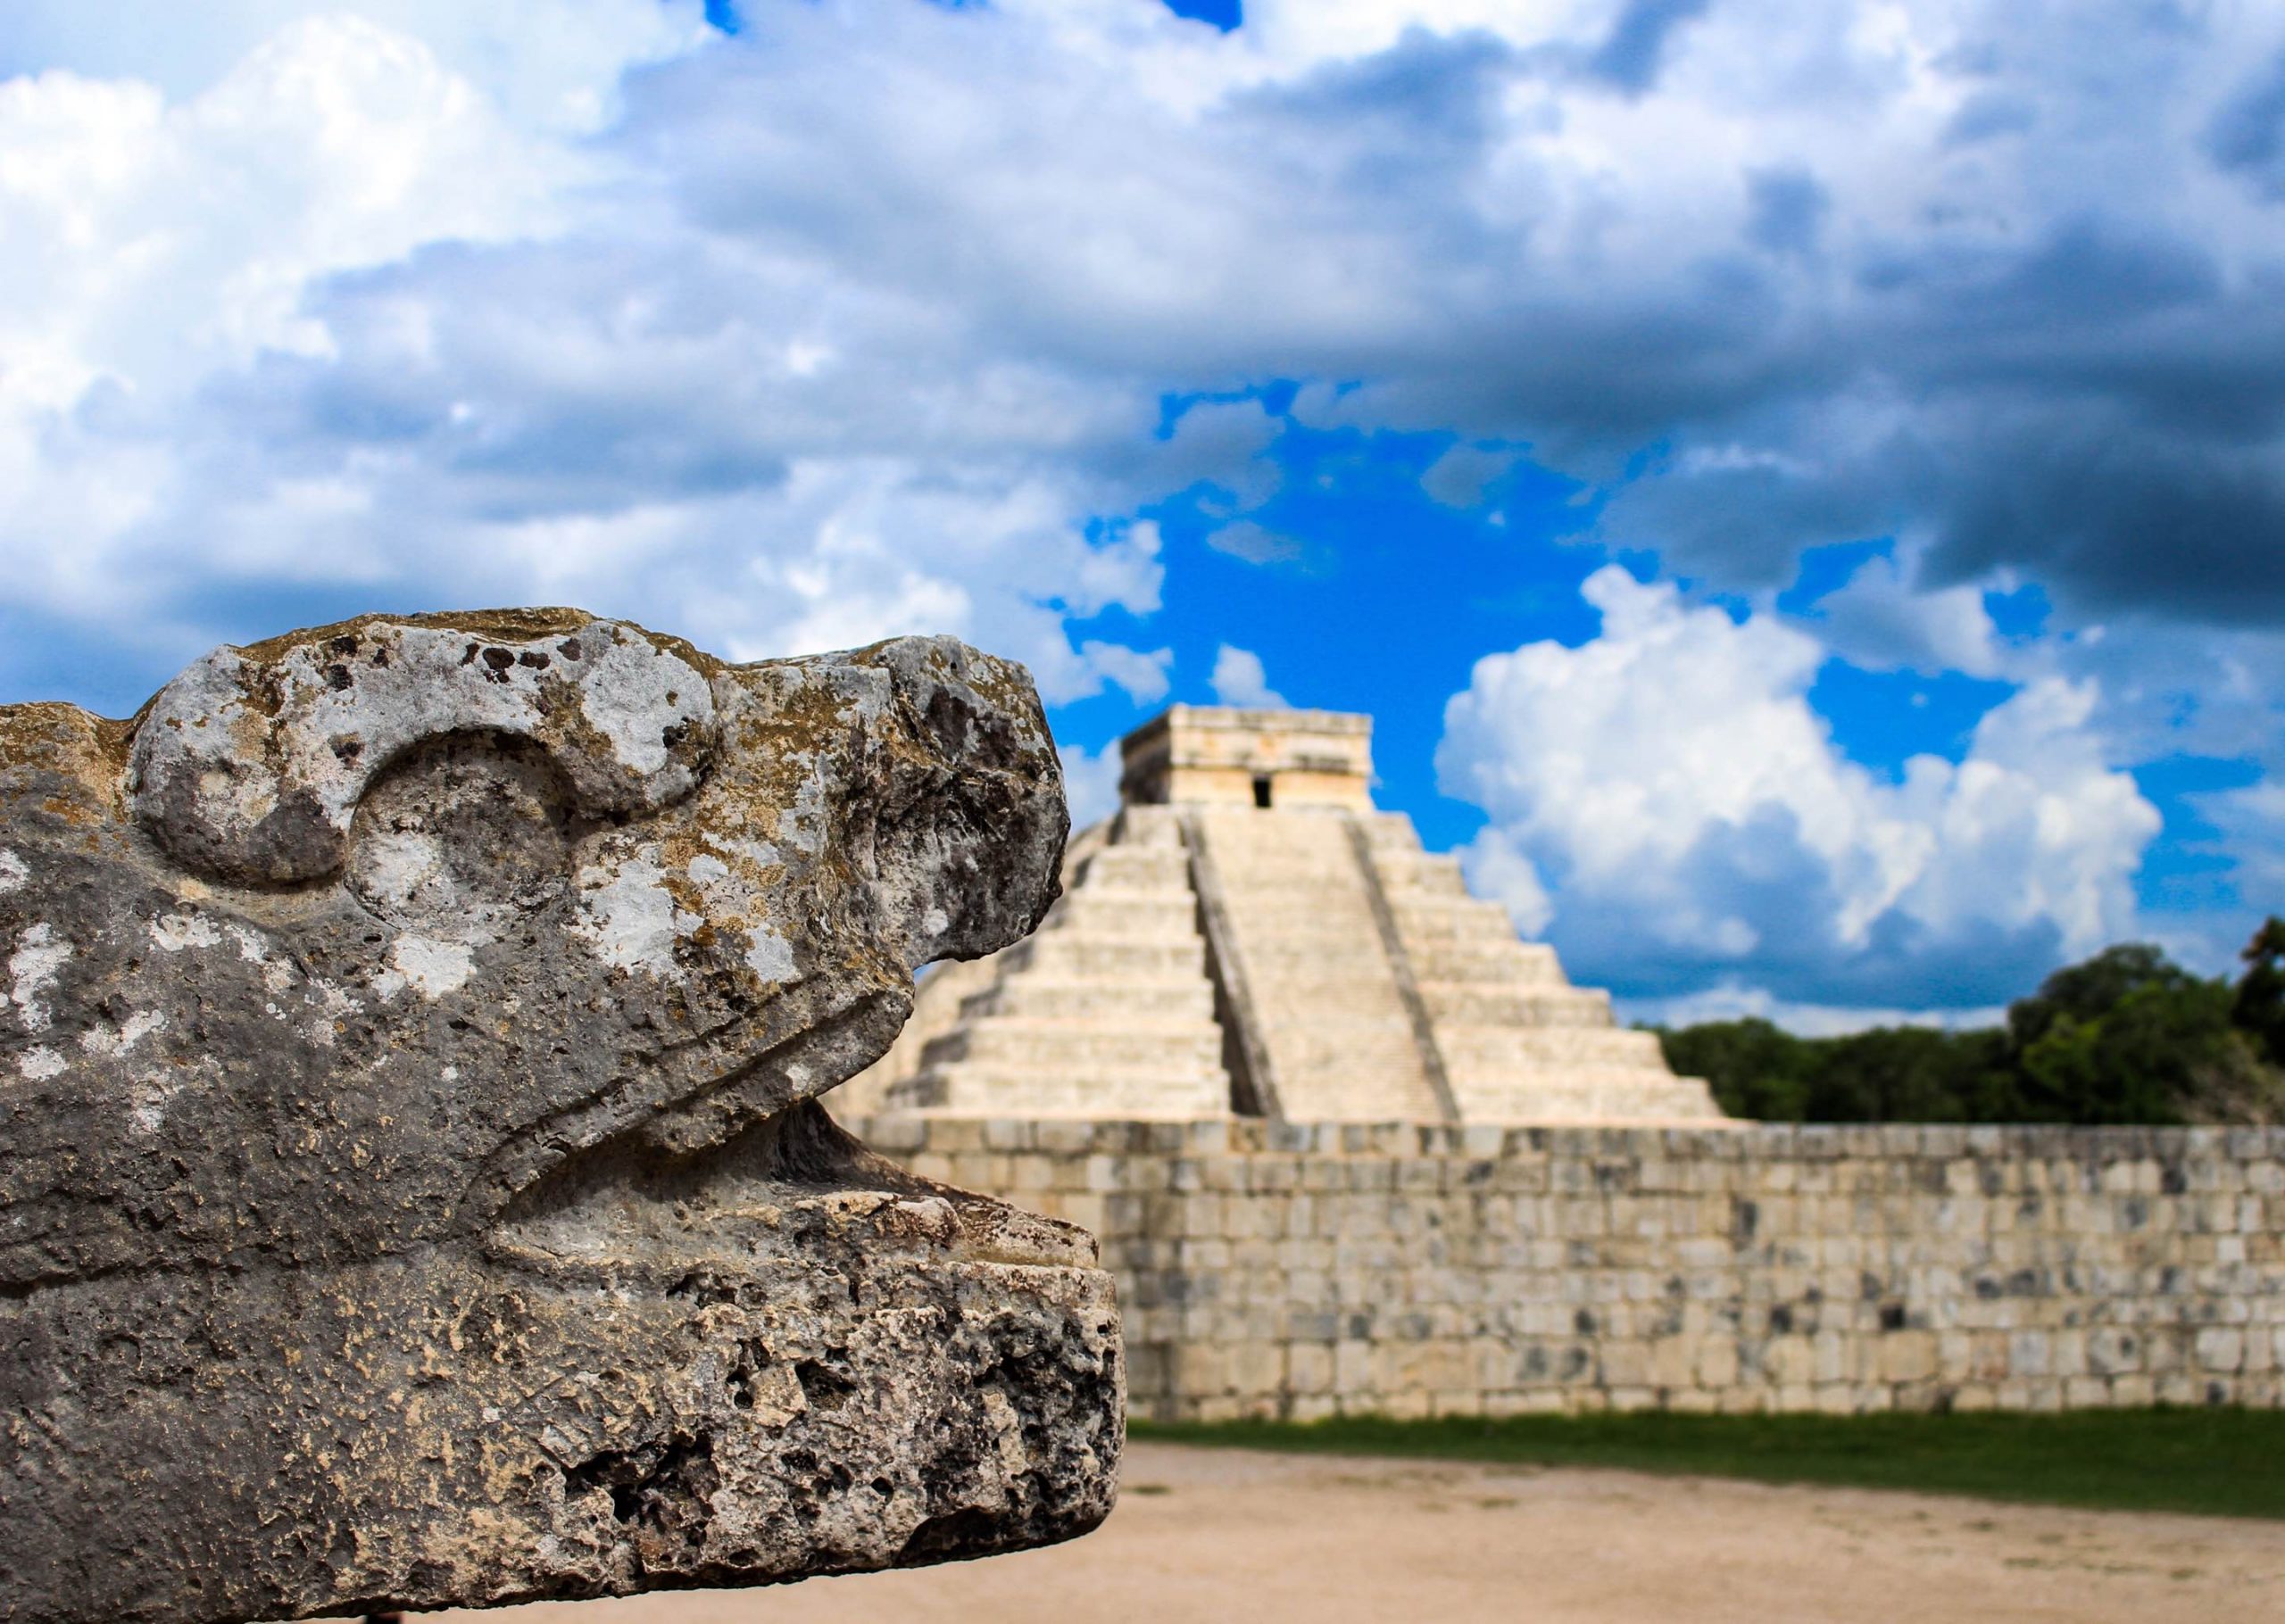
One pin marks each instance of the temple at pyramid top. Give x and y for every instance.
(1211, 755)
(1249, 934)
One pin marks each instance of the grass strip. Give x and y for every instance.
(2217, 1462)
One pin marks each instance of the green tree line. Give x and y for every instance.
(2128, 1036)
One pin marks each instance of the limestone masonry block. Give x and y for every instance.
(1741, 1269)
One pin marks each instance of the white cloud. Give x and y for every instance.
(1669, 783)
(550, 63)
(1143, 676)
(163, 247)
(1239, 679)
(1876, 620)
(1460, 478)
(366, 319)
(157, 243)
(1249, 540)
(1498, 868)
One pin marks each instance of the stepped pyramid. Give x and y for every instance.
(1249, 933)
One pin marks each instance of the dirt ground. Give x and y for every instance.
(1283, 1539)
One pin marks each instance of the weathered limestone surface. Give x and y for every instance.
(1249, 934)
(411, 1190)
(1299, 1270)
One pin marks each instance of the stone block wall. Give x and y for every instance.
(1303, 1270)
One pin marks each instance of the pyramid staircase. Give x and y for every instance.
(1309, 962)
(1105, 1010)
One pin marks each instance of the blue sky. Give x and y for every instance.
(1800, 485)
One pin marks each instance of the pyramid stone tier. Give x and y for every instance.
(1249, 934)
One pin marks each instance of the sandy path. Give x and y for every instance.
(1283, 1540)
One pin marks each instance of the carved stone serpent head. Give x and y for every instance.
(411, 1190)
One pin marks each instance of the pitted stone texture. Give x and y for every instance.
(250, 764)
(452, 1225)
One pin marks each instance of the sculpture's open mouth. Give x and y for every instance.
(766, 1198)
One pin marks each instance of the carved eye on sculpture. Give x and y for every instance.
(464, 839)
(251, 765)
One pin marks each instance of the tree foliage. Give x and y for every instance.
(2127, 1036)
(2258, 1009)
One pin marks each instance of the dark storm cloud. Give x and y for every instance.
(2199, 526)
(1987, 114)
(1428, 94)
(2101, 409)
(2034, 356)
(2248, 136)
(1786, 210)
(1636, 48)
